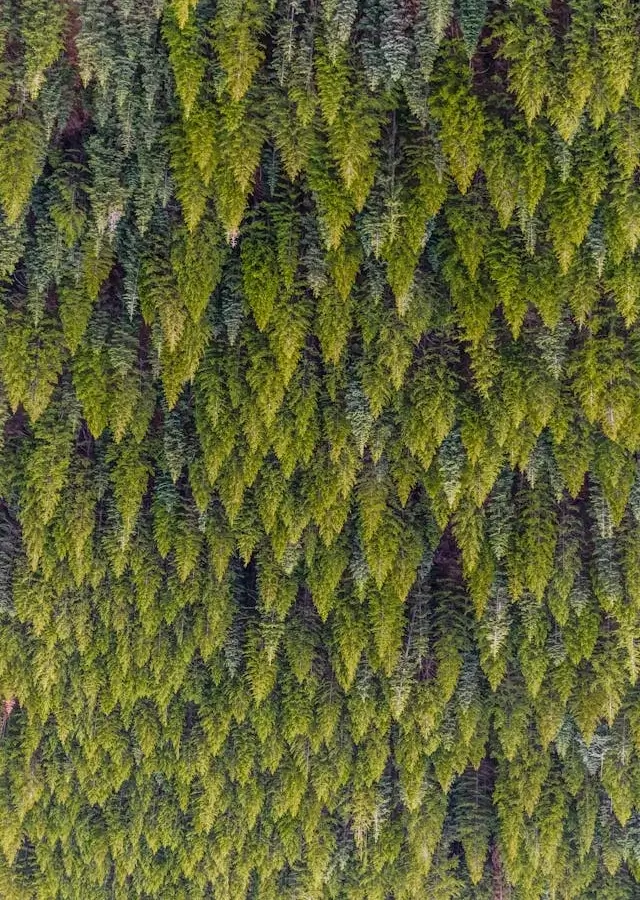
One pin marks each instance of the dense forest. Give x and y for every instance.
(319, 449)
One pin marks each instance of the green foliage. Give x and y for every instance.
(31, 360)
(319, 436)
(458, 112)
(21, 152)
(42, 32)
(186, 57)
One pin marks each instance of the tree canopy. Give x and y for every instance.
(319, 449)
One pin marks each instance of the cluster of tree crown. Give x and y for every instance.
(320, 415)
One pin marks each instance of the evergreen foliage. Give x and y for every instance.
(319, 449)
